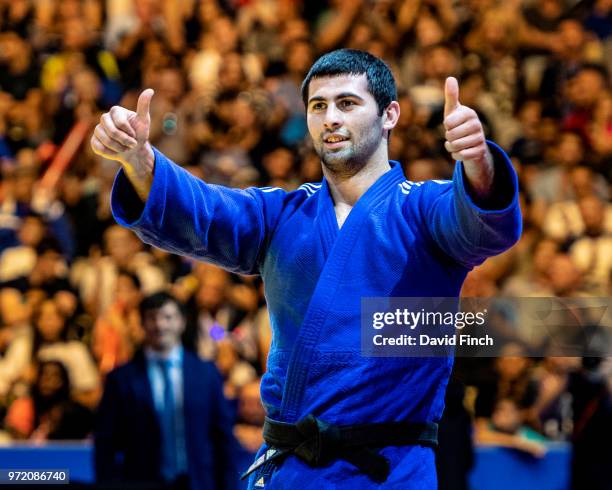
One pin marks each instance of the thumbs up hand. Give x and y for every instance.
(465, 139)
(123, 135)
(122, 132)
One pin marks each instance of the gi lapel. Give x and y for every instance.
(327, 219)
(322, 300)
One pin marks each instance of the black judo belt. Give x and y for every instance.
(319, 443)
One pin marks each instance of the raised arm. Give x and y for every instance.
(477, 214)
(186, 216)
(171, 209)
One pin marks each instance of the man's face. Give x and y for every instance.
(163, 327)
(343, 122)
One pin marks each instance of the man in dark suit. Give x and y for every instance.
(163, 414)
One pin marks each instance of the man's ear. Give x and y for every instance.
(391, 115)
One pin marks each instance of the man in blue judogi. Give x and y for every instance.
(335, 419)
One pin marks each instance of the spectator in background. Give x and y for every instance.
(564, 220)
(251, 415)
(117, 333)
(49, 412)
(553, 406)
(585, 90)
(22, 197)
(96, 279)
(236, 372)
(51, 343)
(592, 253)
(165, 413)
(20, 259)
(50, 272)
(15, 339)
(19, 70)
(536, 280)
(510, 382)
(249, 424)
(555, 184)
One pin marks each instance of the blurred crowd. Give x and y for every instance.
(227, 107)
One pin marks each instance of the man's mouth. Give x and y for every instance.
(335, 139)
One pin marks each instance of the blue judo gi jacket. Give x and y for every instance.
(400, 239)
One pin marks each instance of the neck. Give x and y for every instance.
(347, 188)
(163, 351)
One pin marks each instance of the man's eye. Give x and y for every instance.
(347, 103)
(318, 106)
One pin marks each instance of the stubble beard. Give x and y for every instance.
(348, 161)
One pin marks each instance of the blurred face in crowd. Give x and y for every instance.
(581, 179)
(227, 357)
(250, 408)
(506, 416)
(550, 8)
(438, 63)
(12, 308)
(171, 85)
(592, 210)
(571, 36)
(543, 253)
(127, 293)
(343, 122)
(564, 275)
(23, 185)
(570, 151)
(66, 302)
(163, 327)
(32, 231)
(279, 163)
(586, 88)
(428, 31)
(86, 85)
(50, 379)
(49, 265)
(71, 189)
(146, 10)
(244, 113)
(499, 30)
(76, 36)
(50, 322)
(121, 245)
(530, 115)
(225, 35)
(511, 364)
(211, 292)
(299, 57)
(295, 30)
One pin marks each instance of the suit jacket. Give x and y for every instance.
(128, 427)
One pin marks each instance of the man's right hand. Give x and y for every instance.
(123, 135)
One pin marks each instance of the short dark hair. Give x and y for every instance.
(156, 301)
(381, 83)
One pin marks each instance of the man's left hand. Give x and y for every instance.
(465, 140)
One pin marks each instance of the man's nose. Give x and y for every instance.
(333, 117)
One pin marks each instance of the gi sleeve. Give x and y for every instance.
(465, 231)
(186, 216)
